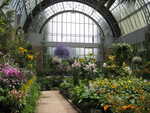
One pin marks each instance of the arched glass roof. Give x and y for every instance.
(129, 18)
(26, 10)
(61, 7)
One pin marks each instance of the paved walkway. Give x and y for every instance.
(54, 102)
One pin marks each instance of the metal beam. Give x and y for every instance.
(71, 44)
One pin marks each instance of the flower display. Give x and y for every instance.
(121, 95)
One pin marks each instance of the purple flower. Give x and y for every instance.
(62, 51)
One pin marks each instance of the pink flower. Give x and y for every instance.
(76, 64)
(10, 71)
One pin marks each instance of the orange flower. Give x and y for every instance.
(130, 106)
(124, 107)
(106, 107)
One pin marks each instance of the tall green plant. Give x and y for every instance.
(6, 30)
(123, 52)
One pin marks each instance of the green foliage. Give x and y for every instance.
(31, 99)
(66, 86)
(50, 82)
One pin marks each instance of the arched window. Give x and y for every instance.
(75, 30)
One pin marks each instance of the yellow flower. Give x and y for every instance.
(30, 57)
(106, 107)
(81, 59)
(94, 60)
(22, 50)
(90, 54)
(129, 81)
(111, 58)
(114, 86)
(25, 50)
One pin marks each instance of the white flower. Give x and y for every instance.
(90, 67)
(56, 60)
(94, 70)
(128, 69)
(104, 64)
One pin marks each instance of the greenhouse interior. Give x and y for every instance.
(74, 56)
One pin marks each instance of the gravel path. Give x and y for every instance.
(54, 102)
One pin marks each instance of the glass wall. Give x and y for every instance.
(74, 28)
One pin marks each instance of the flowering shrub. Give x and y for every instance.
(85, 68)
(11, 77)
(86, 64)
(111, 68)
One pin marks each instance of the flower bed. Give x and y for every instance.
(120, 95)
(16, 89)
